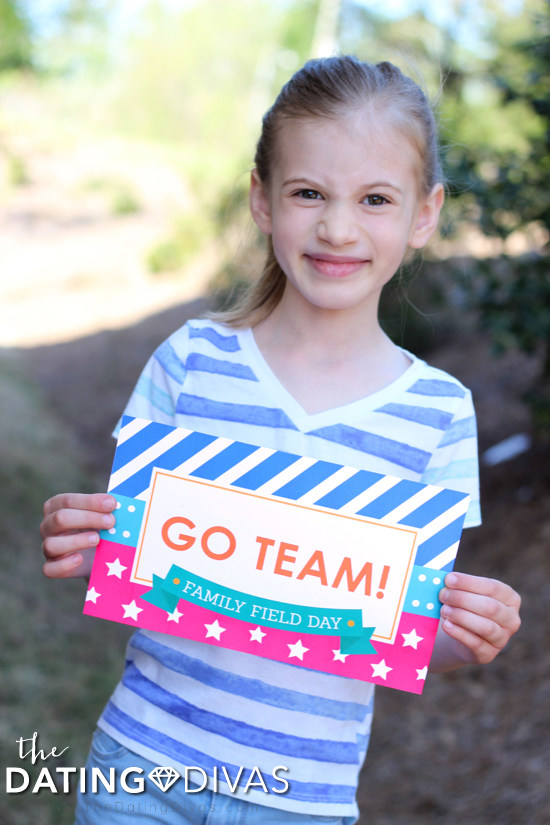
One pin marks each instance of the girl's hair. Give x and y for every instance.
(331, 87)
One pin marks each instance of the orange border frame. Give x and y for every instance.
(326, 511)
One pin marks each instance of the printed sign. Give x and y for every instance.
(285, 557)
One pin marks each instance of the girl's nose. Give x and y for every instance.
(337, 226)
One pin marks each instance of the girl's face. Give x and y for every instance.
(342, 207)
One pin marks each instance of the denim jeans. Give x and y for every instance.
(155, 806)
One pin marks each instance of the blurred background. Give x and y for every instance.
(127, 133)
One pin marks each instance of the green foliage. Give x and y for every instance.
(124, 201)
(17, 171)
(513, 296)
(232, 205)
(512, 299)
(189, 235)
(15, 38)
(506, 172)
(77, 13)
(511, 190)
(79, 44)
(120, 194)
(187, 73)
(166, 256)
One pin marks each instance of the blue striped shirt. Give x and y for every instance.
(185, 703)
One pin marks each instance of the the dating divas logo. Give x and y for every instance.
(164, 778)
(130, 779)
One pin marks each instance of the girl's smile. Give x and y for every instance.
(334, 266)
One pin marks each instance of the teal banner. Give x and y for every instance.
(179, 584)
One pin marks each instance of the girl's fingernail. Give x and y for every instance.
(445, 610)
(109, 503)
(449, 624)
(108, 521)
(451, 580)
(76, 560)
(93, 538)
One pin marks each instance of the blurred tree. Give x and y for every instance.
(84, 12)
(78, 43)
(15, 36)
(513, 298)
(508, 178)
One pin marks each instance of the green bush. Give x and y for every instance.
(17, 171)
(512, 295)
(189, 235)
(512, 299)
(15, 39)
(166, 256)
(124, 200)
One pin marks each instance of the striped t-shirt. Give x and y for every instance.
(185, 703)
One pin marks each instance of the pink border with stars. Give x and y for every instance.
(112, 596)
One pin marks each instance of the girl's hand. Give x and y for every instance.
(478, 618)
(69, 532)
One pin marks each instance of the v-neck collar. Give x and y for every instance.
(345, 413)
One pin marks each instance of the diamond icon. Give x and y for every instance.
(164, 778)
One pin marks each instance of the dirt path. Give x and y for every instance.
(76, 234)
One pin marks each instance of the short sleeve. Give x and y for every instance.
(454, 464)
(159, 385)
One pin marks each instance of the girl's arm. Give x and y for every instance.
(478, 618)
(70, 534)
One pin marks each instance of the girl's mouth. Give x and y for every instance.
(335, 266)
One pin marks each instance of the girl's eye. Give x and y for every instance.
(309, 194)
(375, 200)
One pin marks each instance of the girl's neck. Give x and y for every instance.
(324, 335)
(328, 358)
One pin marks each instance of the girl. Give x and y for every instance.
(346, 182)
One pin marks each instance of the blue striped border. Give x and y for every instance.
(294, 489)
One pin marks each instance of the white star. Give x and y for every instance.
(297, 650)
(214, 630)
(92, 595)
(115, 568)
(175, 616)
(422, 673)
(339, 657)
(131, 610)
(411, 639)
(381, 669)
(257, 635)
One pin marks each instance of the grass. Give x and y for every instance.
(58, 666)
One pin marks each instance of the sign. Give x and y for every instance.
(285, 557)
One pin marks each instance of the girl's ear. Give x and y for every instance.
(259, 204)
(427, 218)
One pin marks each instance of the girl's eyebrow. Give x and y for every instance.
(384, 183)
(300, 180)
(374, 185)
